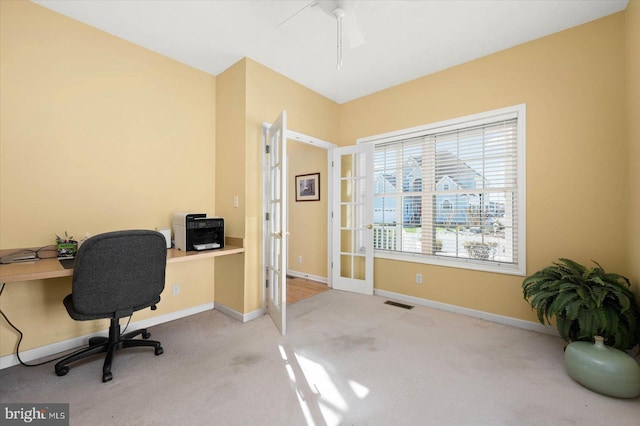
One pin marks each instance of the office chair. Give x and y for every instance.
(116, 274)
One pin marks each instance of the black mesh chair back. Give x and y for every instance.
(117, 273)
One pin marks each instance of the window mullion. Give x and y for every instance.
(428, 231)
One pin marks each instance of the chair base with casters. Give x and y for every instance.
(110, 345)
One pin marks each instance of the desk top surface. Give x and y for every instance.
(51, 268)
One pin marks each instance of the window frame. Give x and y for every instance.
(483, 118)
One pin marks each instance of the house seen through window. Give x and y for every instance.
(452, 193)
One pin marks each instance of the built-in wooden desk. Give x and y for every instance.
(174, 255)
(52, 268)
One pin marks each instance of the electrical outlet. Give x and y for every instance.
(418, 278)
(175, 290)
(299, 259)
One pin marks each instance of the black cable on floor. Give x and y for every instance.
(20, 340)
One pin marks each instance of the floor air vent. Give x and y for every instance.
(399, 305)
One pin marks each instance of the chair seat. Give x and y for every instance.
(68, 303)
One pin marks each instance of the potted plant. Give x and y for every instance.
(480, 250)
(585, 302)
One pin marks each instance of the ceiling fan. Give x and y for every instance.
(346, 23)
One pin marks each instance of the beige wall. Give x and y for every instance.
(96, 134)
(577, 186)
(231, 98)
(268, 93)
(308, 219)
(230, 172)
(264, 95)
(632, 55)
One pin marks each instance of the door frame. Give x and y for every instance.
(309, 140)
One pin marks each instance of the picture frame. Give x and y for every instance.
(308, 187)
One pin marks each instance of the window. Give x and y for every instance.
(453, 193)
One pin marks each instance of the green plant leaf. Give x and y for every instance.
(572, 310)
(597, 295)
(587, 324)
(563, 301)
(564, 327)
(573, 267)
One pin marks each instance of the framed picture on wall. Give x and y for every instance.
(308, 187)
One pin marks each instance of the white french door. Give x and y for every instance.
(276, 222)
(352, 227)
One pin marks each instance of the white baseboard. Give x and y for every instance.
(307, 276)
(237, 315)
(500, 319)
(65, 345)
(252, 315)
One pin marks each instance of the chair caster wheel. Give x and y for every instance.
(96, 340)
(159, 351)
(106, 377)
(62, 371)
(146, 335)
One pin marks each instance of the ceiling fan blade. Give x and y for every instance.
(310, 4)
(352, 31)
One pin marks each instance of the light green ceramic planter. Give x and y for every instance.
(603, 369)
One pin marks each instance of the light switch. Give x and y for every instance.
(235, 201)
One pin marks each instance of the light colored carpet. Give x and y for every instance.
(347, 359)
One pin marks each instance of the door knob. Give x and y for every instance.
(369, 226)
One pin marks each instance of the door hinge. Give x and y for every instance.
(266, 149)
(266, 216)
(331, 163)
(266, 283)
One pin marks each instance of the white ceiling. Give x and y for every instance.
(404, 40)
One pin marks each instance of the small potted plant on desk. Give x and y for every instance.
(588, 305)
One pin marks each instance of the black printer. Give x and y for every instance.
(196, 231)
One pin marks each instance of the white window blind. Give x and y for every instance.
(452, 192)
